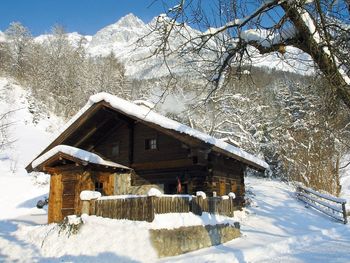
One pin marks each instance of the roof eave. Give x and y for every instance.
(239, 158)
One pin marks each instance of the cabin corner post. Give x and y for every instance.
(55, 198)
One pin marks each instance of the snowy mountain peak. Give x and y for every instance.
(127, 30)
(129, 21)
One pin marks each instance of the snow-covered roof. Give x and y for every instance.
(150, 116)
(76, 153)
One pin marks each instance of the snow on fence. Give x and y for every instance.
(143, 208)
(330, 205)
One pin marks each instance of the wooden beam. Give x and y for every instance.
(65, 134)
(131, 143)
(106, 135)
(162, 164)
(85, 137)
(92, 131)
(62, 168)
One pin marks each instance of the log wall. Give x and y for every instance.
(65, 189)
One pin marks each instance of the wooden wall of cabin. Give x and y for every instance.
(66, 186)
(168, 148)
(227, 175)
(193, 179)
(118, 138)
(55, 198)
(131, 139)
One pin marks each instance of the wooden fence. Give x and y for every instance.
(144, 208)
(330, 205)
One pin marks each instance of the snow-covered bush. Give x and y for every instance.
(70, 225)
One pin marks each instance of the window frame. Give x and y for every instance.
(116, 144)
(151, 144)
(99, 187)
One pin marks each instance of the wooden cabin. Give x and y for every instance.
(135, 148)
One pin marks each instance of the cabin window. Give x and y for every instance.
(151, 144)
(116, 149)
(99, 187)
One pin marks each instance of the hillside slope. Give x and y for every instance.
(29, 131)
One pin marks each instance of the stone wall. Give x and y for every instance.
(172, 242)
(123, 186)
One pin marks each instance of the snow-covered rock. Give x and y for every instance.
(87, 195)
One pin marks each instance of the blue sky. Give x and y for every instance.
(83, 16)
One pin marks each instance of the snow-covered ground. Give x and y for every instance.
(278, 228)
(28, 135)
(275, 228)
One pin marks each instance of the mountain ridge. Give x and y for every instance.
(121, 37)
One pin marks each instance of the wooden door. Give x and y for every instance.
(69, 185)
(233, 186)
(222, 187)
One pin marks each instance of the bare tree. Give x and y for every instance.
(6, 121)
(229, 29)
(20, 42)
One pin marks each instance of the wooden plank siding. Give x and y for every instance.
(65, 189)
(121, 137)
(168, 148)
(227, 175)
(55, 198)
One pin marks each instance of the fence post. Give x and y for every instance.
(93, 207)
(312, 199)
(197, 205)
(86, 197)
(85, 208)
(344, 213)
(89, 207)
(231, 213)
(150, 208)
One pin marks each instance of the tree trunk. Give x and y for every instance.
(308, 44)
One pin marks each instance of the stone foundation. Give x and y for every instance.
(172, 242)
